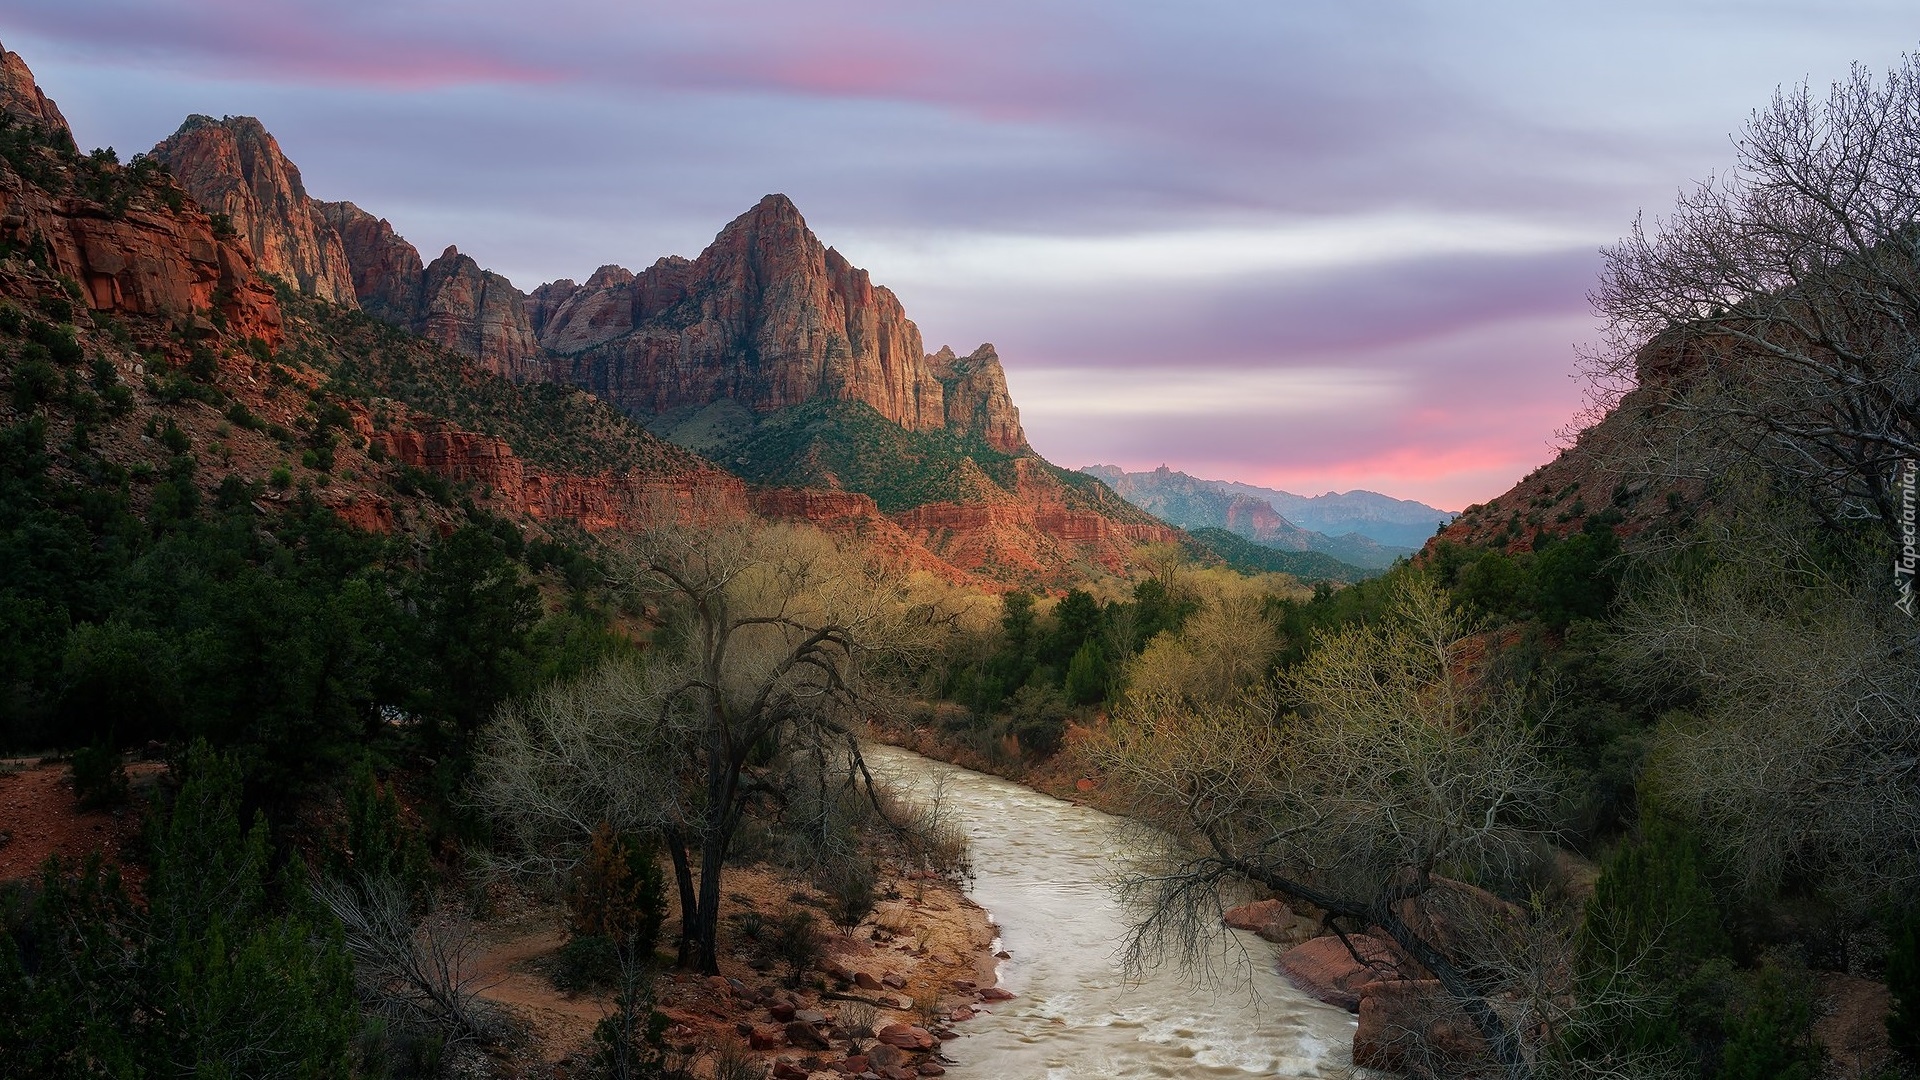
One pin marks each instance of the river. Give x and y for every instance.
(1041, 866)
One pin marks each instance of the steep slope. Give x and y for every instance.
(769, 353)
(234, 167)
(770, 318)
(339, 253)
(1194, 503)
(1248, 557)
(1605, 473)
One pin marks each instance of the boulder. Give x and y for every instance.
(787, 1070)
(906, 1037)
(995, 993)
(884, 1056)
(1412, 1026)
(1272, 920)
(865, 981)
(893, 982)
(781, 1011)
(804, 1036)
(1327, 969)
(765, 1038)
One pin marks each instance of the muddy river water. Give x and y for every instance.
(1041, 871)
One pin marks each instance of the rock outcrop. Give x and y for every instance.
(386, 269)
(771, 318)
(22, 99)
(451, 302)
(974, 389)
(602, 502)
(480, 314)
(149, 256)
(234, 167)
(1335, 971)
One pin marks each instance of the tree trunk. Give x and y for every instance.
(683, 880)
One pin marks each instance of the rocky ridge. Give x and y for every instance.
(766, 320)
(1195, 503)
(234, 167)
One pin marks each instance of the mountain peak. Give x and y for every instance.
(22, 99)
(234, 166)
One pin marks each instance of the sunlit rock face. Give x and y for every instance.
(234, 167)
(769, 317)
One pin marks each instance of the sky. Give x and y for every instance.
(1314, 246)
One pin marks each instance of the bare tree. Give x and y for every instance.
(420, 972)
(751, 693)
(1801, 756)
(1775, 314)
(1400, 765)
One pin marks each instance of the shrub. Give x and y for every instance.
(1770, 1036)
(99, 776)
(1903, 982)
(34, 381)
(796, 943)
(618, 893)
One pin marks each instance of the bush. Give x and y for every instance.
(618, 894)
(34, 381)
(1903, 982)
(850, 886)
(796, 942)
(1039, 719)
(99, 777)
(1770, 1035)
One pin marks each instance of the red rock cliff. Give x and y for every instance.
(234, 167)
(767, 316)
(974, 390)
(480, 314)
(386, 269)
(20, 97)
(143, 258)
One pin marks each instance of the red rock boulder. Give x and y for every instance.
(1327, 969)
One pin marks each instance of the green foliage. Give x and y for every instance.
(1251, 557)
(1038, 719)
(1653, 903)
(1088, 675)
(376, 843)
(99, 776)
(1903, 982)
(1770, 1030)
(213, 979)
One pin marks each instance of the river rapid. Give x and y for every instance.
(1041, 868)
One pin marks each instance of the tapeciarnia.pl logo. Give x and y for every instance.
(1903, 567)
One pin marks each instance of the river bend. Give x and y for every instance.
(1041, 866)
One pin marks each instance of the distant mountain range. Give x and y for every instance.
(1363, 528)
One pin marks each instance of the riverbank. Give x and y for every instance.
(878, 998)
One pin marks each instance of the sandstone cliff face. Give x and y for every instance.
(233, 166)
(143, 259)
(480, 314)
(769, 317)
(451, 302)
(20, 97)
(974, 389)
(606, 502)
(386, 269)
